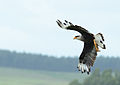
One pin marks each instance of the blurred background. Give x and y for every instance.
(35, 51)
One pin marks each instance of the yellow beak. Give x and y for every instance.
(75, 38)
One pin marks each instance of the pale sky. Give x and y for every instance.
(30, 25)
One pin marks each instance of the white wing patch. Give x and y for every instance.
(99, 39)
(83, 68)
(64, 25)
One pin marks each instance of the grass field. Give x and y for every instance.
(12, 76)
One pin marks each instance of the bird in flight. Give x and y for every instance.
(91, 45)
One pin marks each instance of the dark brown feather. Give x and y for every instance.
(88, 54)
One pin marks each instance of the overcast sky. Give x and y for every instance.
(30, 25)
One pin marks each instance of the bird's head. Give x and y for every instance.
(78, 37)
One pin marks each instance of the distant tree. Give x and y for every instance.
(106, 77)
(91, 80)
(75, 82)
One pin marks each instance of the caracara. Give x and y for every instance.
(91, 43)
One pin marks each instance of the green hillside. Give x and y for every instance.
(10, 76)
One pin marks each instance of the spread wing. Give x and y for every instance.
(69, 26)
(87, 57)
(89, 53)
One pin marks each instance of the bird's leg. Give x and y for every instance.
(96, 47)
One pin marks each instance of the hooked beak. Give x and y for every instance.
(75, 38)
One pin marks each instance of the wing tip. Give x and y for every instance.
(101, 36)
(83, 68)
(64, 25)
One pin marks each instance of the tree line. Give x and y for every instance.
(107, 77)
(52, 63)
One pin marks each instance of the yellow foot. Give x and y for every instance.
(96, 47)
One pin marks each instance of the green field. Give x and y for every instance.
(12, 76)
